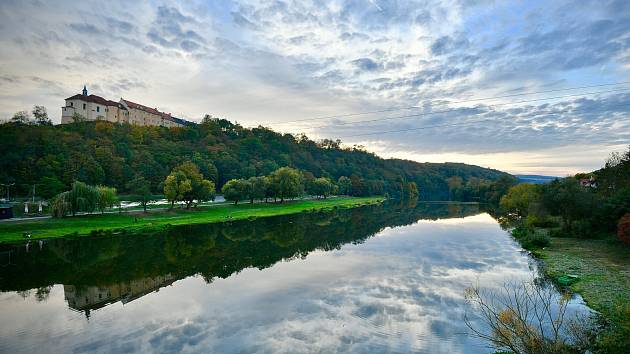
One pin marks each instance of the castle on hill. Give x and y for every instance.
(92, 107)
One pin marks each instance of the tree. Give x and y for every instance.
(567, 199)
(258, 188)
(200, 188)
(21, 117)
(454, 186)
(141, 191)
(41, 115)
(176, 186)
(106, 198)
(321, 187)
(527, 318)
(287, 183)
(236, 190)
(411, 190)
(48, 187)
(77, 118)
(345, 185)
(623, 229)
(520, 197)
(81, 197)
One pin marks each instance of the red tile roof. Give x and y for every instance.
(141, 107)
(93, 98)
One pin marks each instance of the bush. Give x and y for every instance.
(539, 239)
(533, 220)
(623, 229)
(530, 238)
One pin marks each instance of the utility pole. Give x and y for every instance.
(8, 187)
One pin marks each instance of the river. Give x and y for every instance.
(376, 279)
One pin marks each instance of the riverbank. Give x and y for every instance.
(135, 221)
(598, 270)
(602, 268)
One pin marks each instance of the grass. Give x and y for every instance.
(602, 268)
(86, 224)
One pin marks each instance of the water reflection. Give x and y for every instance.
(313, 282)
(99, 271)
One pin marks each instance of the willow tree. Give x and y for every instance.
(287, 183)
(106, 198)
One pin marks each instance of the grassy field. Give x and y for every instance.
(603, 268)
(84, 225)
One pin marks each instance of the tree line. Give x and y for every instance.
(187, 184)
(587, 205)
(52, 157)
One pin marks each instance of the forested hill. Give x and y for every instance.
(52, 157)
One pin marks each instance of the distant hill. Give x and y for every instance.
(52, 157)
(535, 179)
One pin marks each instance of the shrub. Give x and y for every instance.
(527, 318)
(539, 239)
(623, 229)
(530, 238)
(533, 220)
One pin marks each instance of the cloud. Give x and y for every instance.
(294, 60)
(366, 64)
(85, 28)
(169, 31)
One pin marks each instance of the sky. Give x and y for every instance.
(433, 70)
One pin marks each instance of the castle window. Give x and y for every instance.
(84, 106)
(71, 104)
(98, 109)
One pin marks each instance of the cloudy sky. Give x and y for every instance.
(289, 64)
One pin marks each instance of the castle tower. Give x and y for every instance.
(84, 90)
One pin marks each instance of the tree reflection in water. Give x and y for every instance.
(100, 270)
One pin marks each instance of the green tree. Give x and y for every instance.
(83, 198)
(141, 191)
(236, 190)
(21, 117)
(80, 198)
(176, 186)
(567, 199)
(455, 184)
(41, 115)
(258, 188)
(48, 187)
(345, 185)
(287, 183)
(106, 198)
(520, 198)
(321, 187)
(200, 189)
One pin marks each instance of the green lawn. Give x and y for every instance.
(603, 268)
(83, 225)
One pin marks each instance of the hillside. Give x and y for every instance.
(52, 157)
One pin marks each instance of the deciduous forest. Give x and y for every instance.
(52, 157)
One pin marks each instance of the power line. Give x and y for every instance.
(465, 108)
(455, 102)
(426, 127)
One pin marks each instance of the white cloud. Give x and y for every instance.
(264, 62)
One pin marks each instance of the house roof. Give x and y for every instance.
(141, 107)
(94, 99)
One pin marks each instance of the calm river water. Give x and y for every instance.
(378, 279)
